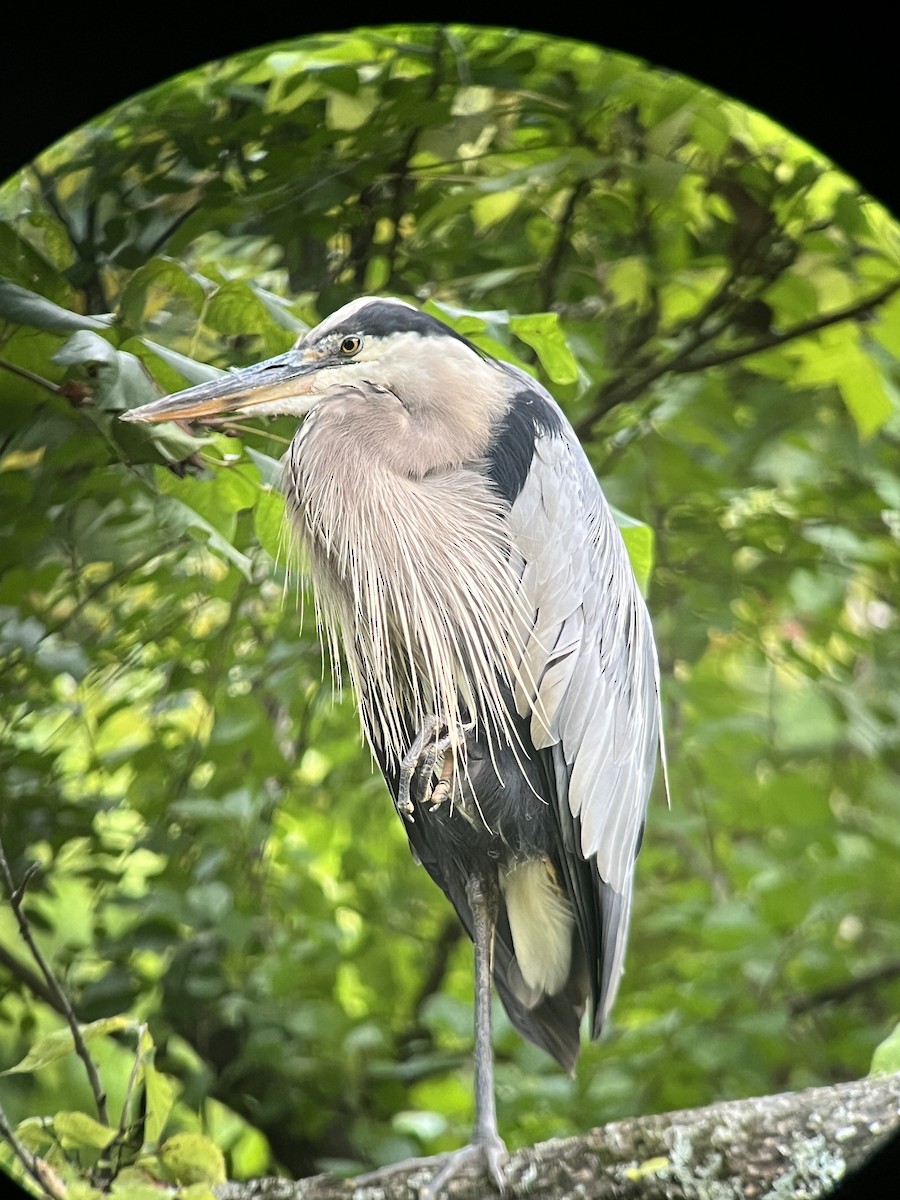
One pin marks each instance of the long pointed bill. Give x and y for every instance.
(271, 387)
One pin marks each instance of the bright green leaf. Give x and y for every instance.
(543, 332)
(886, 1058)
(269, 521)
(77, 1130)
(192, 1158)
(61, 1042)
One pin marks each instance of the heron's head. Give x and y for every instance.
(380, 360)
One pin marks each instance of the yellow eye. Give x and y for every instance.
(351, 345)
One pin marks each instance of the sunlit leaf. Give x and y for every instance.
(543, 332)
(61, 1042)
(76, 1130)
(191, 1158)
(886, 1058)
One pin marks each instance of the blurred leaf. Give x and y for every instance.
(76, 1130)
(61, 1042)
(886, 1058)
(638, 539)
(23, 307)
(191, 1158)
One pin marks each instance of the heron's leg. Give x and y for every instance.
(486, 1145)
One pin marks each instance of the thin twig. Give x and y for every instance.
(31, 979)
(801, 329)
(683, 362)
(31, 377)
(43, 1175)
(850, 987)
(444, 945)
(550, 270)
(63, 1004)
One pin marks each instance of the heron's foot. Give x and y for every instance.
(427, 756)
(489, 1153)
(444, 786)
(410, 768)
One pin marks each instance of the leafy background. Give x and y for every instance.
(718, 309)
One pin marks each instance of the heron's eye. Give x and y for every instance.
(351, 345)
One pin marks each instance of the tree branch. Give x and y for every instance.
(549, 271)
(850, 987)
(31, 979)
(43, 1175)
(61, 1003)
(24, 373)
(620, 390)
(801, 329)
(794, 1144)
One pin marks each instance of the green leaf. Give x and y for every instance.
(493, 208)
(886, 1058)
(22, 460)
(639, 542)
(269, 522)
(191, 1158)
(269, 468)
(629, 281)
(886, 327)
(23, 307)
(183, 518)
(543, 332)
(76, 1130)
(236, 308)
(348, 112)
(153, 285)
(138, 1183)
(61, 1042)
(161, 1092)
(189, 369)
(838, 356)
(120, 380)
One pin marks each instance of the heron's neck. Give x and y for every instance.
(413, 577)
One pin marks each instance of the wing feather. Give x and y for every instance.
(591, 682)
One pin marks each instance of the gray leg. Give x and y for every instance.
(486, 1146)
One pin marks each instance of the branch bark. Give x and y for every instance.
(838, 992)
(625, 387)
(789, 1145)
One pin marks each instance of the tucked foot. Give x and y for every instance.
(427, 756)
(490, 1154)
(410, 766)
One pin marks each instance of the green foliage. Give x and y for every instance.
(718, 310)
(79, 1152)
(887, 1054)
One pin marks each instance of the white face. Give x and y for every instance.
(399, 353)
(341, 352)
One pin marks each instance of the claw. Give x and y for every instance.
(410, 765)
(444, 785)
(426, 755)
(491, 1154)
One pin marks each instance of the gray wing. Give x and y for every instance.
(590, 680)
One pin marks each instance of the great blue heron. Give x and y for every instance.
(461, 550)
